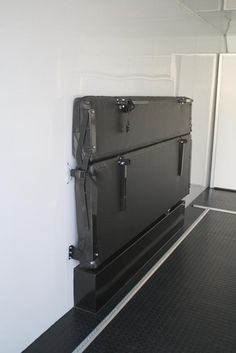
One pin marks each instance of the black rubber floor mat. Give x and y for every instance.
(189, 305)
(217, 199)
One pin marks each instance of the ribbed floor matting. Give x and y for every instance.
(218, 199)
(189, 305)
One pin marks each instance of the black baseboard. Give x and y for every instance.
(94, 288)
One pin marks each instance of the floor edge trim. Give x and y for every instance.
(214, 209)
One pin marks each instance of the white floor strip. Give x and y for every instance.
(214, 209)
(91, 337)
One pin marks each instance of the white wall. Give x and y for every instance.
(52, 51)
(36, 277)
(196, 78)
(231, 37)
(232, 43)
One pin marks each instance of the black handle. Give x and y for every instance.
(123, 163)
(125, 106)
(182, 143)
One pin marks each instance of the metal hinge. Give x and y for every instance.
(77, 254)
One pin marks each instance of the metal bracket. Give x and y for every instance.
(74, 253)
(184, 100)
(68, 174)
(78, 173)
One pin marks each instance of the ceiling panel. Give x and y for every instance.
(214, 12)
(204, 5)
(230, 4)
(141, 18)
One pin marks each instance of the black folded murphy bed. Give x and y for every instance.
(133, 169)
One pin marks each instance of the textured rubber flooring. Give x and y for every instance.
(67, 333)
(189, 305)
(218, 199)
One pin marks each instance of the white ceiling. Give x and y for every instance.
(147, 18)
(204, 5)
(218, 13)
(140, 18)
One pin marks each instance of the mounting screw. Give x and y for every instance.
(71, 247)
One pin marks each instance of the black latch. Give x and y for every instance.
(125, 104)
(123, 163)
(182, 143)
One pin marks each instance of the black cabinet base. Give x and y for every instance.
(94, 288)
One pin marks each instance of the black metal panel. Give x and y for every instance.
(101, 284)
(152, 186)
(102, 129)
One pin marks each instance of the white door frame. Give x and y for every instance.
(216, 125)
(211, 124)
